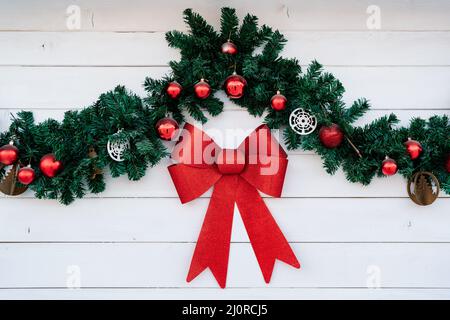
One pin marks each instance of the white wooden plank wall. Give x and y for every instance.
(135, 240)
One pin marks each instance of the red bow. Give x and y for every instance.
(259, 163)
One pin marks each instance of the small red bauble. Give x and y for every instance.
(174, 89)
(235, 85)
(278, 102)
(167, 128)
(229, 48)
(8, 154)
(413, 148)
(447, 164)
(389, 167)
(49, 166)
(332, 136)
(202, 89)
(26, 175)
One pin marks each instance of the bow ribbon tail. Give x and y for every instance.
(213, 244)
(267, 240)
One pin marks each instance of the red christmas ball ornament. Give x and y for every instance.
(331, 136)
(413, 148)
(229, 48)
(26, 175)
(167, 128)
(447, 164)
(49, 166)
(174, 89)
(389, 167)
(278, 102)
(235, 85)
(9, 154)
(202, 89)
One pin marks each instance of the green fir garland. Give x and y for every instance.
(258, 60)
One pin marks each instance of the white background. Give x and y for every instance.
(135, 240)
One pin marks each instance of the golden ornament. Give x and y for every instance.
(9, 184)
(423, 188)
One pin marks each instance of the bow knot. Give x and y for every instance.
(259, 163)
(230, 161)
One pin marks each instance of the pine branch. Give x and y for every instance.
(357, 110)
(229, 23)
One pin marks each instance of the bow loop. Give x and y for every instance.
(195, 148)
(267, 161)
